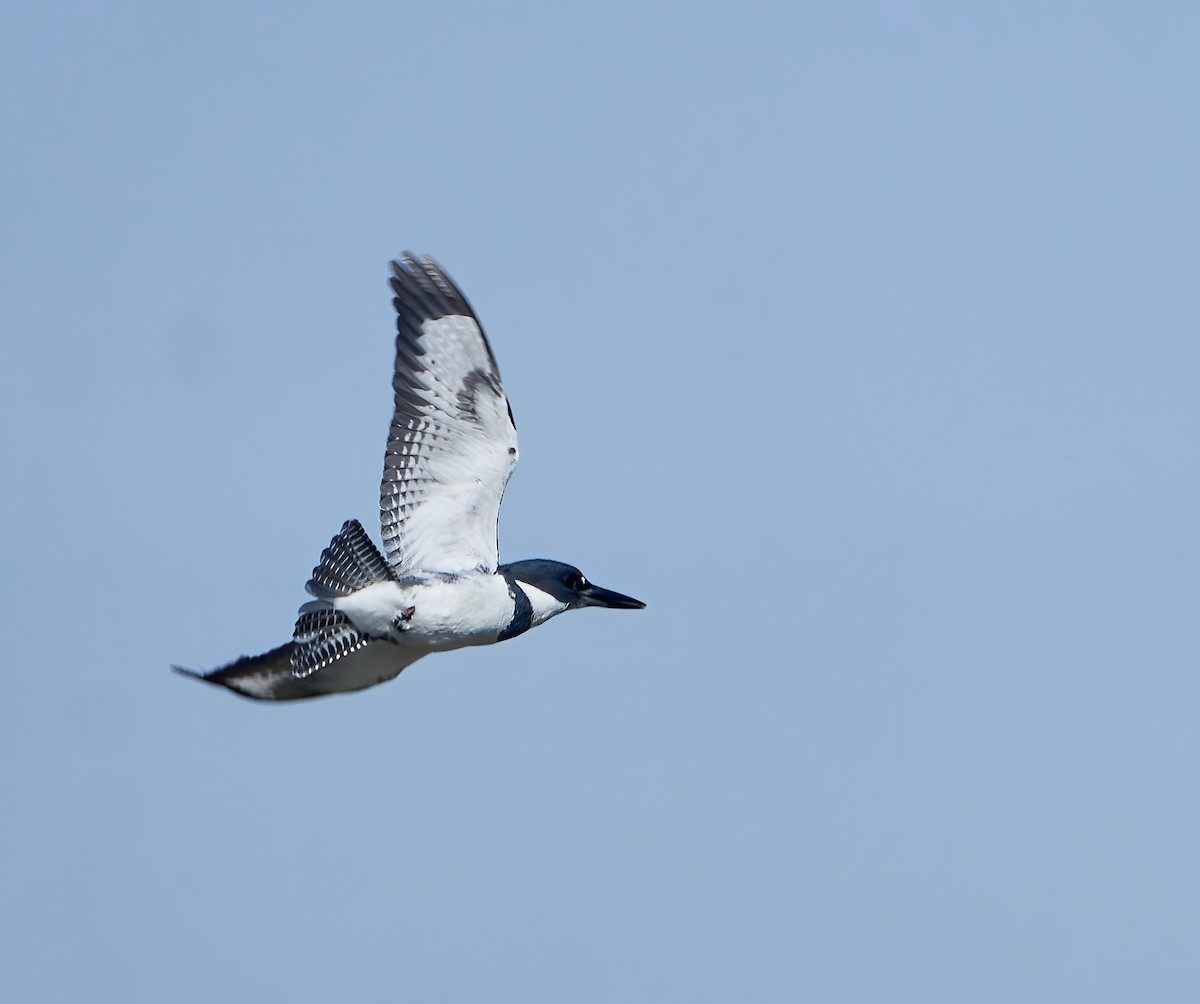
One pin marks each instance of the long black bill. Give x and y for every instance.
(598, 596)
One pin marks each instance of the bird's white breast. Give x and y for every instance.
(469, 610)
(373, 609)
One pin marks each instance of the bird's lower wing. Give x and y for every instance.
(269, 677)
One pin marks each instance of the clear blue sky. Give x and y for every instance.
(860, 340)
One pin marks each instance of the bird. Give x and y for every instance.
(438, 583)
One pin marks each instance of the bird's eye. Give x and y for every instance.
(576, 581)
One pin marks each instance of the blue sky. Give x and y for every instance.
(859, 341)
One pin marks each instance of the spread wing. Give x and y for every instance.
(453, 444)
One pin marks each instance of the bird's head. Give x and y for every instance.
(554, 586)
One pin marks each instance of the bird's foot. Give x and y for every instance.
(401, 621)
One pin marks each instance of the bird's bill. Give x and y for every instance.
(598, 596)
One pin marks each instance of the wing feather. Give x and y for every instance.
(452, 445)
(270, 677)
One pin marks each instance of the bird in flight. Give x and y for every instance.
(438, 584)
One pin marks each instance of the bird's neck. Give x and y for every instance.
(544, 605)
(531, 607)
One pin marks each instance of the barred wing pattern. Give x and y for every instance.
(453, 444)
(322, 637)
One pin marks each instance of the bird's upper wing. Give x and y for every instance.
(452, 445)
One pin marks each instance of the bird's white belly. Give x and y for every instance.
(472, 610)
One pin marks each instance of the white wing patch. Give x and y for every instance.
(453, 445)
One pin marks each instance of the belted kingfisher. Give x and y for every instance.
(439, 585)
